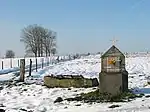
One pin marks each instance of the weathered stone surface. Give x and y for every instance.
(113, 77)
(66, 81)
(95, 82)
(110, 83)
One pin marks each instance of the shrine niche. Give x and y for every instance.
(113, 61)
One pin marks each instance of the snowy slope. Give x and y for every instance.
(40, 99)
(138, 68)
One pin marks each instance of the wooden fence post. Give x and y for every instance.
(22, 69)
(47, 61)
(30, 69)
(36, 64)
(2, 65)
(18, 63)
(42, 62)
(10, 62)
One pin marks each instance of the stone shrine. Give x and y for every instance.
(113, 77)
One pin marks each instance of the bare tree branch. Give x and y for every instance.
(38, 40)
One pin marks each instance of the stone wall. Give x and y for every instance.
(69, 81)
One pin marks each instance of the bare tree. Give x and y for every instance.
(37, 40)
(46, 41)
(29, 38)
(53, 51)
(10, 54)
(50, 43)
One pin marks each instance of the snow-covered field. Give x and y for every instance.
(12, 65)
(14, 62)
(37, 98)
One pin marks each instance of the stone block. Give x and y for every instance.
(69, 81)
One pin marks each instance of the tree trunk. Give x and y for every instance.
(41, 47)
(38, 47)
(39, 52)
(46, 52)
(35, 54)
(49, 54)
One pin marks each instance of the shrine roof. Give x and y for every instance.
(113, 51)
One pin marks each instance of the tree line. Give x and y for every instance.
(39, 40)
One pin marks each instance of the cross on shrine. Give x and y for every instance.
(114, 41)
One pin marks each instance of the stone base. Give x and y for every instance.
(113, 83)
(66, 81)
